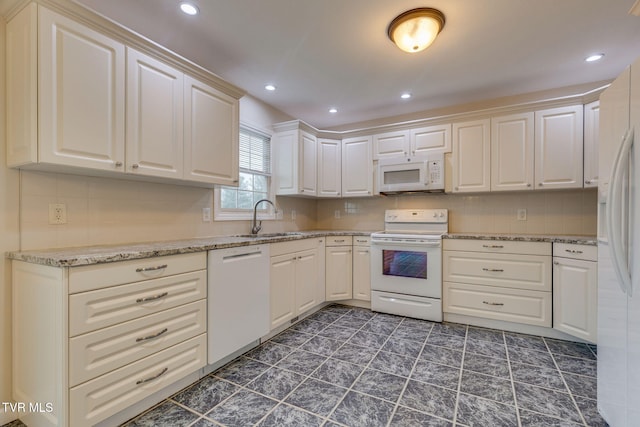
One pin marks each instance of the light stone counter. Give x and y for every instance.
(578, 240)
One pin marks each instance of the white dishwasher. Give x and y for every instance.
(238, 298)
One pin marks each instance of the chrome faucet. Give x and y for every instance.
(256, 226)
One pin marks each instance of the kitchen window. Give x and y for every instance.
(254, 181)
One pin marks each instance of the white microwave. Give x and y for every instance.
(423, 172)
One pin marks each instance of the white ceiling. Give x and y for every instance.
(335, 53)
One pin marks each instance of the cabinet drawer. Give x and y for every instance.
(512, 305)
(497, 246)
(99, 352)
(568, 250)
(89, 311)
(339, 240)
(531, 272)
(361, 240)
(104, 396)
(90, 277)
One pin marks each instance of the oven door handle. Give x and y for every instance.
(434, 244)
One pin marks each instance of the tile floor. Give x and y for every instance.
(346, 366)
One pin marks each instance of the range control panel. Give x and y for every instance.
(416, 216)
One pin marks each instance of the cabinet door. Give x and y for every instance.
(575, 297)
(357, 167)
(361, 273)
(283, 289)
(391, 144)
(81, 101)
(307, 163)
(329, 167)
(338, 273)
(154, 117)
(306, 278)
(512, 152)
(558, 148)
(211, 134)
(431, 138)
(591, 130)
(285, 162)
(471, 156)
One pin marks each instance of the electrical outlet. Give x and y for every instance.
(336, 214)
(57, 213)
(293, 214)
(206, 214)
(522, 215)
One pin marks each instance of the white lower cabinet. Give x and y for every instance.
(575, 290)
(338, 271)
(113, 334)
(361, 268)
(295, 276)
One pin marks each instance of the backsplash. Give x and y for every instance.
(560, 212)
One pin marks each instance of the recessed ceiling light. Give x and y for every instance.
(333, 110)
(189, 8)
(270, 87)
(595, 57)
(405, 95)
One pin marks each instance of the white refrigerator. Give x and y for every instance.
(619, 251)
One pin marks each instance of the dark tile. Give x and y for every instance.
(531, 419)
(302, 362)
(285, 415)
(355, 354)
(531, 357)
(167, 413)
(450, 329)
(589, 410)
(242, 370)
(580, 385)
(338, 372)
(411, 333)
(337, 332)
(388, 318)
(276, 383)
(350, 322)
(308, 326)
(443, 355)
(594, 349)
(361, 313)
(242, 409)
(205, 394)
(321, 345)
(531, 342)
(203, 422)
(538, 375)
(486, 365)
(316, 396)
(393, 363)
(405, 417)
(486, 348)
(358, 410)
(15, 423)
(576, 365)
(270, 352)
(547, 402)
(380, 384)
(417, 323)
(292, 338)
(379, 327)
(488, 387)
(428, 398)
(484, 334)
(337, 308)
(475, 411)
(404, 347)
(434, 373)
(326, 316)
(569, 348)
(368, 339)
(449, 341)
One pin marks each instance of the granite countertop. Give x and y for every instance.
(86, 255)
(578, 240)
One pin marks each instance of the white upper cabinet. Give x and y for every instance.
(66, 93)
(391, 144)
(211, 134)
(357, 167)
(558, 148)
(329, 167)
(412, 141)
(471, 156)
(591, 137)
(512, 152)
(154, 117)
(295, 153)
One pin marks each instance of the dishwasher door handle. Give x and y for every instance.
(244, 255)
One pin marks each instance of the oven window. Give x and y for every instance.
(404, 264)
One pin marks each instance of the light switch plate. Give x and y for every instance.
(522, 215)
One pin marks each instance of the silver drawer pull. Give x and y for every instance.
(493, 270)
(493, 303)
(493, 246)
(150, 337)
(146, 380)
(338, 240)
(153, 298)
(158, 267)
(571, 251)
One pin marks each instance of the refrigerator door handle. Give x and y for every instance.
(615, 231)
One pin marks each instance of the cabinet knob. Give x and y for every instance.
(540, 184)
(118, 164)
(587, 182)
(528, 185)
(302, 191)
(338, 194)
(135, 166)
(456, 188)
(556, 263)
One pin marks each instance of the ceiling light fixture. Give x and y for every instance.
(415, 29)
(594, 57)
(405, 95)
(270, 87)
(333, 110)
(189, 8)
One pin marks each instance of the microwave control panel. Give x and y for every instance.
(436, 174)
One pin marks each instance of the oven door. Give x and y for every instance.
(405, 267)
